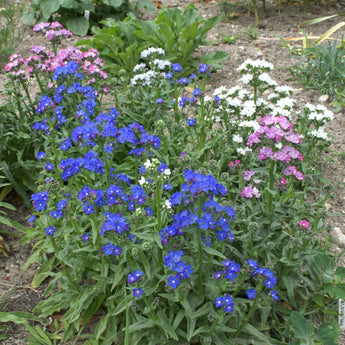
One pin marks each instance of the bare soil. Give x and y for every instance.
(15, 289)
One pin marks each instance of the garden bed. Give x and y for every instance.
(15, 284)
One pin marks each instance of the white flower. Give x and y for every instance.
(167, 172)
(142, 180)
(144, 78)
(139, 67)
(265, 77)
(152, 50)
(284, 89)
(250, 124)
(243, 150)
(237, 139)
(250, 64)
(167, 204)
(147, 164)
(246, 78)
(286, 102)
(233, 102)
(161, 64)
(320, 133)
(207, 99)
(279, 145)
(219, 91)
(248, 108)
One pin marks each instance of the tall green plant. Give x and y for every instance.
(178, 33)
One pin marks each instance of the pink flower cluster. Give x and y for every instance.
(53, 30)
(275, 128)
(234, 164)
(303, 223)
(249, 192)
(292, 170)
(45, 61)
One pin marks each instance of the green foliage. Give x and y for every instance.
(10, 34)
(252, 32)
(178, 33)
(18, 168)
(79, 15)
(322, 67)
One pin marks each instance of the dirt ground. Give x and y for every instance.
(15, 283)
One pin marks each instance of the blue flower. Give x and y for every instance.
(203, 68)
(197, 92)
(274, 295)
(176, 67)
(49, 167)
(191, 122)
(40, 200)
(31, 219)
(56, 213)
(50, 230)
(66, 144)
(218, 302)
(85, 237)
(88, 208)
(159, 101)
(40, 155)
(137, 292)
(251, 293)
(173, 282)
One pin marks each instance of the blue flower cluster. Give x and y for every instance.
(230, 272)
(182, 270)
(227, 302)
(213, 216)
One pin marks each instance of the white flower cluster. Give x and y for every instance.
(319, 112)
(151, 51)
(236, 138)
(141, 67)
(144, 78)
(161, 64)
(319, 133)
(250, 124)
(250, 64)
(243, 151)
(266, 78)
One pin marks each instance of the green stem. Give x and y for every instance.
(127, 317)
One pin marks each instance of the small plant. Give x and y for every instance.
(323, 67)
(229, 39)
(252, 32)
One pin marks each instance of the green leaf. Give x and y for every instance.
(214, 252)
(12, 223)
(214, 59)
(18, 317)
(329, 333)
(255, 333)
(116, 3)
(69, 4)
(340, 291)
(340, 272)
(148, 5)
(79, 26)
(49, 7)
(303, 328)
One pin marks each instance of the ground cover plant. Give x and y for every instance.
(163, 225)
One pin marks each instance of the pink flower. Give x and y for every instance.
(303, 223)
(249, 192)
(248, 174)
